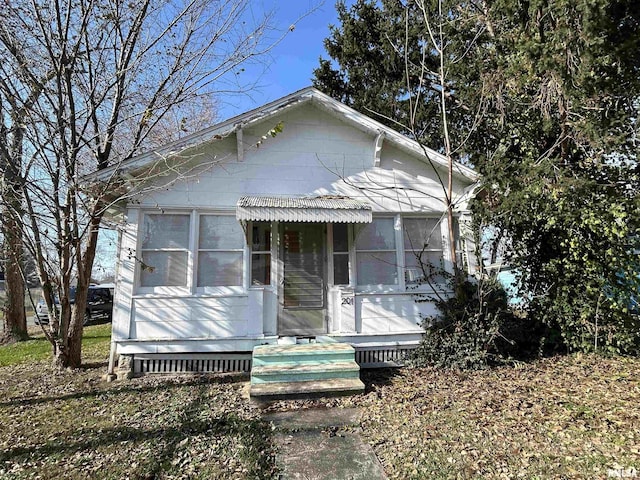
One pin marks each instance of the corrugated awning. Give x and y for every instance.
(329, 209)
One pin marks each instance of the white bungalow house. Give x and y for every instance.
(242, 235)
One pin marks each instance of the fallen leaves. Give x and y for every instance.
(72, 425)
(563, 417)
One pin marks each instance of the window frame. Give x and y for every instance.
(440, 223)
(331, 255)
(266, 253)
(165, 289)
(246, 250)
(218, 289)
(395, 251)
(191, 288)
(401, 252)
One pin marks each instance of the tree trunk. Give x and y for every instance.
(67, 348)
(59, 354)
(70, 355)
(15, 318)
(74, 339)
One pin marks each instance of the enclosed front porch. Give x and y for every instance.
(223, 282)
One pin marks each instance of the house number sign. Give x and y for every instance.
(347, 301)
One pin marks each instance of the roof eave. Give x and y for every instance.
(214, 133)
(371, 126)
(263, 113)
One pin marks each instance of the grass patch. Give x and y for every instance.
(34, 349)
(96, 340)
(95, 344)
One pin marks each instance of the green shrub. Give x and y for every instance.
(465, 333)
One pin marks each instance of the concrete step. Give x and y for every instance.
(280, 390)
(302, 348)
(299, 372)
(301, 353)
(312, 369)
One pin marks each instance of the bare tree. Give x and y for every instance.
(427, 80)
(107, 76)
(20, 89)
(435, 43)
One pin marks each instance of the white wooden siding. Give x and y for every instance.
(386, 313)
(126, 277)
(190, 317)
(316, 154)
(309, 157)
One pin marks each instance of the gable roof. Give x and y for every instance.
(260, 114)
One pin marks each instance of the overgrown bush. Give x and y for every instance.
(573, 241)
(465, 333)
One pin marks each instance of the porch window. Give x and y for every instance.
(422, 250)
(376, 253)
(340, 254)
(261, 253)
(165, 250)
(220, 251)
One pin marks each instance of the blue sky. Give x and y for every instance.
(291, 63)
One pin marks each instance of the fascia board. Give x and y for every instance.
(263, 113)
(369, 125)
(213, 133)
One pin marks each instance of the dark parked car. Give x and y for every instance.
(99, 304)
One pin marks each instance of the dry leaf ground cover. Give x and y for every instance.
(72, 424)
(564, 417)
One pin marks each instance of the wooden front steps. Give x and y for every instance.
(313, 369)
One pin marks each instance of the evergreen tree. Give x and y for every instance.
(369, 50)
(543, 98)
(561, 133)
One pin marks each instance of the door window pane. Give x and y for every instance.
(303, 258)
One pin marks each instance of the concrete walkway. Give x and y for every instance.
(312, 446)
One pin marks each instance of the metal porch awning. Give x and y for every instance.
(324, 209)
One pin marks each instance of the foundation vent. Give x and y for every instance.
(143, 364)
(219, 363)
(382, 357)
